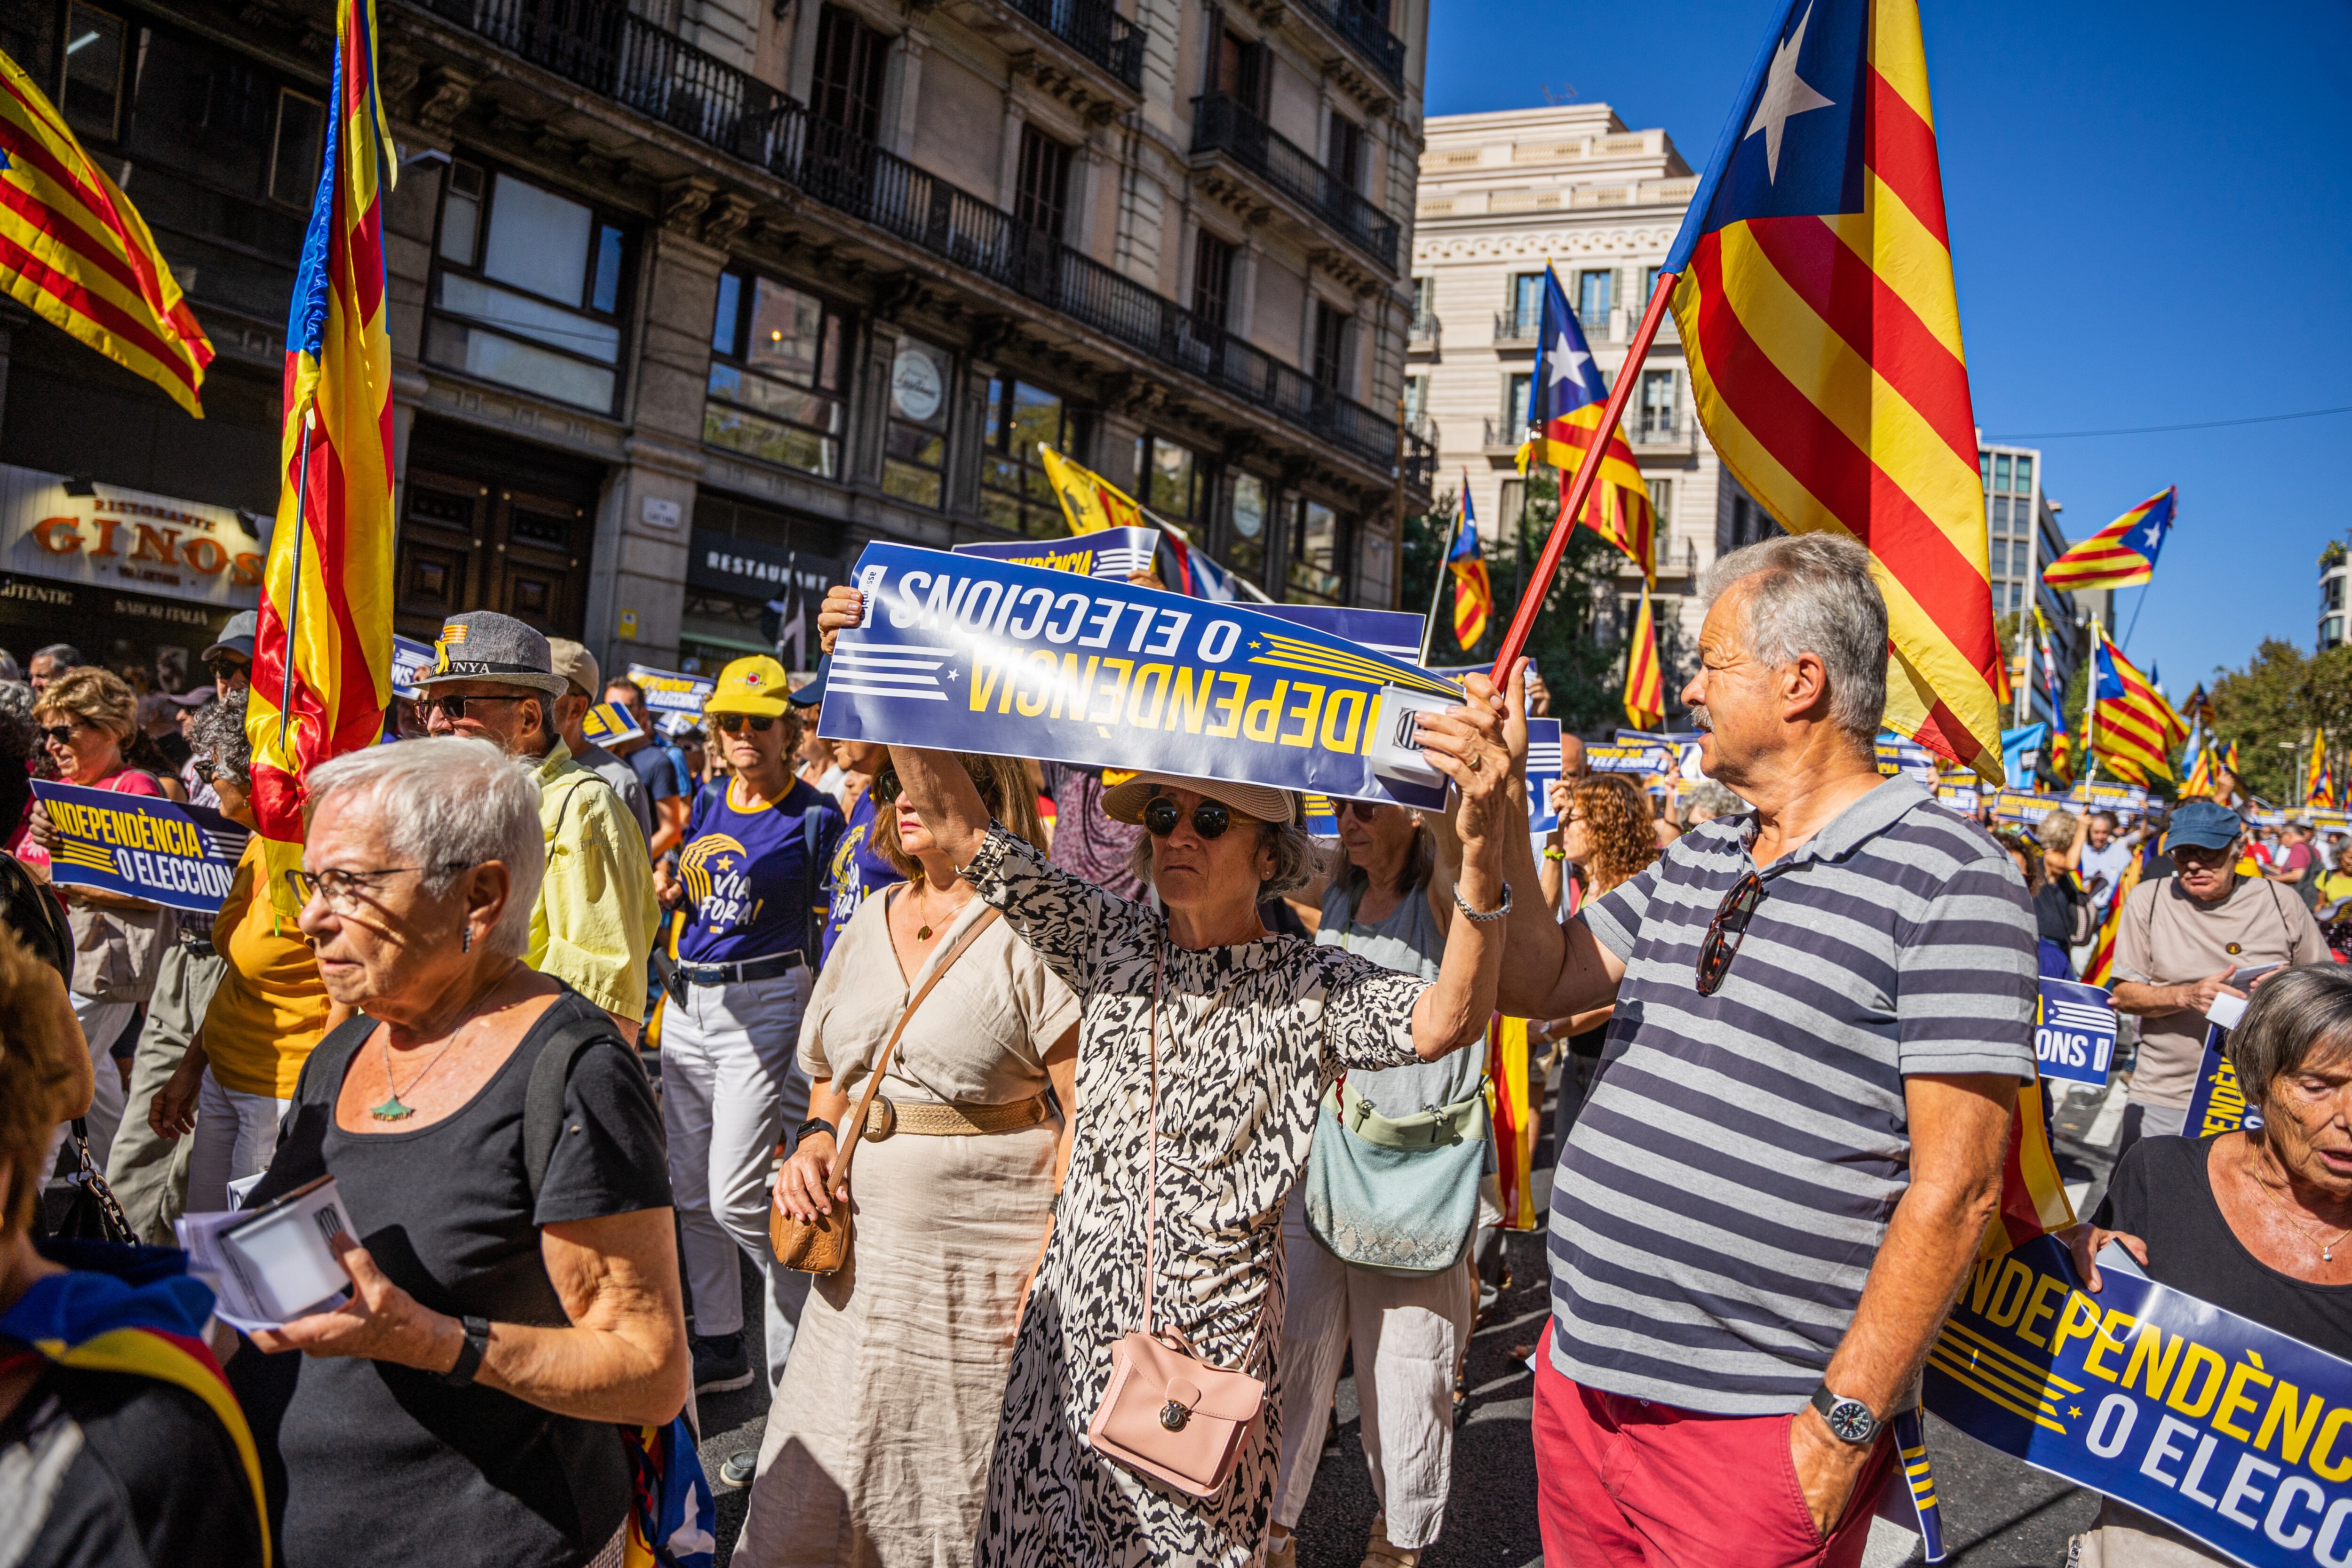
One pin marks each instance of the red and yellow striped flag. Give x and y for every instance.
(2100, 968)
(2133, 728)
(2033, 1193)
(323, 657)
(1816, 306)
(1513, 1115)
(1645, 680)
(75, 252)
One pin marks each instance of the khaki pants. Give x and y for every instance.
(150, 1174)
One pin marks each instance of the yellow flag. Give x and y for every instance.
(1645, 680)
(1090, 501)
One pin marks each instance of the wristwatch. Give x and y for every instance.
(813, 1125)
(1849, 1420)
(470, 1354)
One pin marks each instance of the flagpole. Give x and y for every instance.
(2091, 714)
(294, 593)
(1571, 507)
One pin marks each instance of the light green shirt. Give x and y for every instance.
(594, 924)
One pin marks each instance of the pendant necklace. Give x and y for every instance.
(393, 1109)
(2326, 1249)
(923, 929)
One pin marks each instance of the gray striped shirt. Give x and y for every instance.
(1725, 1191)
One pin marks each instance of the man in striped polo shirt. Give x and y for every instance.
(1823, 1013)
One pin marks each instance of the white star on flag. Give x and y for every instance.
(1567, 363)
(1785, 94)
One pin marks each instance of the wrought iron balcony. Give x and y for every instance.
(1420, 461)
(1221, 124)
(597, 44)
(1365, 33)
(1424, 332)
(1094, 29)
(1516, 327)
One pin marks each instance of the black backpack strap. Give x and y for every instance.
(542, 1100)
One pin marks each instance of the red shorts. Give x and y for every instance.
(1623, 1483)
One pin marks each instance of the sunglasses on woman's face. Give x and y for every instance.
(1724, 932)
(1361, 810)
(59, 734)
(732, 724)
(1209, 818)
(886, 788)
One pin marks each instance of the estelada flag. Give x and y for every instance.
(2120, 556)
(2133, 728)
(322, 653)
(75, 252)
(1645, 680)
(1513, 1115)
(1474, 596)
(1090, 501)
(2318, 777)
(1816, 308)
(1566, 398)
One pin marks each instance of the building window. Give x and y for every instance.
(1416, 401)
(1245, 540)
(1238, 68)
(1014, 491)
(1331, 346)
(92, 87)
(1662, 521)
(1423, 292)
(1514, 405)
(1595, 292)
(1510, 507)
(1376, 570)
(2331, 633)
(1212, 280)
(1527, 305)
(1660, 415)
(2024, 477)
(1346, 159)
(1169, 478)
(915, 437)
(1315, 555)
(1042, 190)
(528, 290)
(846, 88)
(2000, 471)
(1649, 283)
(2000, 557)
(776, 377)
(2331, 595)
(296, 148)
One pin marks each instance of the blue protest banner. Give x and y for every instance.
(1544, 765)
(410, 660)
(2217, 1104)
(1396, 633)
(669, 691)
(1901, 754)
(2228, 1431)
(2074, 1032)
(1107, 553)
(608, 724)
(1641, 757)
(1322, 816)
(963, 653)
(141, 846)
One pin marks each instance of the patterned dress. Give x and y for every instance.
(1250, 1036)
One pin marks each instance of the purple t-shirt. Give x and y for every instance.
(1086, 843)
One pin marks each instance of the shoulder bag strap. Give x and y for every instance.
(1151, 1137)
(542, 1099)
(850, 1135)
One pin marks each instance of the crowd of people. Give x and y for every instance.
(1081, 1127)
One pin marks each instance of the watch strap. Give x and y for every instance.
(1823, 1402)
(470, 1353)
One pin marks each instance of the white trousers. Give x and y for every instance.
(732, 1088)
(102, 1024)
(1408, 1332)
(236, 1134)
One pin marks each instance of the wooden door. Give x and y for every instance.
(468, 545)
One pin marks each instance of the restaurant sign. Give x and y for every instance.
(117, 538)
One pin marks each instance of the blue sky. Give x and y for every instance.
(2147, 228)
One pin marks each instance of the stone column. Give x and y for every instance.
(1008, 174)
(906, 92)
(1243, 309)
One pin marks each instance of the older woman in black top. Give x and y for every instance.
(463, 1406)
(2257, 1223)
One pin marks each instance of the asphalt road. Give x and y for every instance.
(1997, 1512)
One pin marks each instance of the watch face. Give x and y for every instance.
(1850, 1420)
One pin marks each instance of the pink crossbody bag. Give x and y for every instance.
(1167, 1413)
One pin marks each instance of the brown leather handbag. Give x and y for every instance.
(821, 1246)
(1167, 1413)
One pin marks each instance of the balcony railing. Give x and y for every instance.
(1515, 326)
(1365, 33)
(1503, 431)
(1420, 467)
(1221, 124)
(598, 44)
(1424, 332)
(1094, 29)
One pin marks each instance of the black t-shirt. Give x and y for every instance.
(31, 911)
(373, 1459)
(2054, 913)
(2162, 1192)
(157, 1480)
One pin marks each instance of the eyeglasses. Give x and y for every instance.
(1209, 818)
(60, 734)
(345, 890)
(1361, 810)
(1724, 932)
(733, 723)
(886, 788)
(2201, 858)
(453, 706)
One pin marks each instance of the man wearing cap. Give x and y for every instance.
(231, 659)
(493, 678)
(2181, 941)
(578, 668)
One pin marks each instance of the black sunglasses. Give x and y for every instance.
(1361, 810)
(733, 723)
(886, 788)
(59, 734)
(454, 706)
(1724, 932)
(1209, 818)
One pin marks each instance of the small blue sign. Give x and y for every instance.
(2074, 1032)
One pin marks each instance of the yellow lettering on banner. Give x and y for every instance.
(2233, 1396)
(2035, 1310)
(1107, 703)
(1352, 704)
(2015, 1273)
(2094, 1359)
(1981, 1287)
(984, 685)
(1075, 688)
(2079, 1320)
(1150, 680)
(2328, 1469)
(2215, 1369)
(1306, 713)
(2145, 1352)
(1186, 708)
(1260, 717)
(2293, 1429)
(1230, 705)
(1032, 696)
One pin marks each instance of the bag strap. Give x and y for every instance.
(849, 1137)
(542, 1096)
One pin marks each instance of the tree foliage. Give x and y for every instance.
(2271, 707)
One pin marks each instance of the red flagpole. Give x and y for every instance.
(1523, 617)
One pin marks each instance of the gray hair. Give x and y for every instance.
(1297, 858)
(2057, 831)
(2294, 1014)
(220, 729)
(1813, 594)
(1713, 798)
(449, 803)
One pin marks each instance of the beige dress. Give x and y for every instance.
(877, 1446)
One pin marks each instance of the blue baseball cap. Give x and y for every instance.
(2202, 825)
(812, 693)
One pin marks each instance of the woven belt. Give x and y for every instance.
(686, 975)
(925, 1119)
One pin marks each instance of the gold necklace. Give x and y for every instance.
(923, 927)
(2326, 1249)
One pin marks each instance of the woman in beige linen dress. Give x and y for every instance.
(877, 1449)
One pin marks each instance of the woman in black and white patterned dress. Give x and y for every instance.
(1251, 1030)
